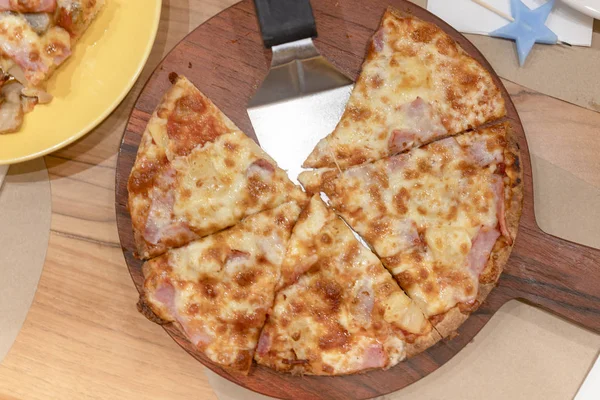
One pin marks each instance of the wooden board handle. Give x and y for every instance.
(560, 276)
(229, 61)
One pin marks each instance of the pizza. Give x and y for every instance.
(218, 289)
(441, 217)
(75, 16)
(36, 37)
(416, 85)
(339, 311)
(196, 173)
(422, 167)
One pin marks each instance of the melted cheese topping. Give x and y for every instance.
(342, 313)
(226, 180)
(218, 289)
(416, 85)
(422, 211)
(196, 174)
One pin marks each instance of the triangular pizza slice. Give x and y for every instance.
(416, 85)
(218, 289)
(442, 217)
(196, 173)
(338, 311)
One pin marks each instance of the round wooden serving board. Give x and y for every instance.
(226, 60)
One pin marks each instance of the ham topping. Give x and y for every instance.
(165, 294)
(378, 40)
(195, 332)
(236, 256)
(160, 221)
(481, 248)
(374, 357)
(482, 156)
(261, 168)
(422, 124)
(159, 216)
(397, 162)
(500, 209)
(264, 343)
(401, 140)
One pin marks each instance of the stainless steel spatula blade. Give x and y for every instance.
(303, 96)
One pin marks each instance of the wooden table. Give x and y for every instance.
(84, 338)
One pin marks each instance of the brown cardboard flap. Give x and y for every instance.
(567, 73)
(551, 355)
(25, 204)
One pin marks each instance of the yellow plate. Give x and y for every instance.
(104, 65)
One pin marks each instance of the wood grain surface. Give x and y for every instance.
(84, 339)
(227, 62)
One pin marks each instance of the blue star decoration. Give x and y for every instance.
(528, 28)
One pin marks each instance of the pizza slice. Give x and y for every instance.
(26, 61)
(442, 217)
(416, 85)
(36, 37)
(196, 173)
(339, 311)
(217, 290)
(75, 16)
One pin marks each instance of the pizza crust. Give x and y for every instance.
(452, 319)
(422, 343)
(145, 308)
(242, 364)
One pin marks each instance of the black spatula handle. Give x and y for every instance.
(284, 21)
